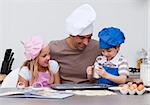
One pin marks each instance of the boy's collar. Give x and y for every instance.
(115, 60)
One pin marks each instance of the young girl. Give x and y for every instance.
(110, 68)
(36, 70)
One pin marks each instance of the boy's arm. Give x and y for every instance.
(121, 79)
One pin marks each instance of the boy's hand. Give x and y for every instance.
(101, 72)
(89, 70)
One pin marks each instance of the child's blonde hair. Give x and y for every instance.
(33, 48)
(32, 65)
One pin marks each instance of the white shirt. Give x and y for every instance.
(117, 62)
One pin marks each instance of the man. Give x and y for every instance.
(78, 50)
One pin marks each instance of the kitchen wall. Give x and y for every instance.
(21, 19)
(149, 29)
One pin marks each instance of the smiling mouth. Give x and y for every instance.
(46, 62)
(82, 45)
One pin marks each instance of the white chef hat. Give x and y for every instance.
(80, 22)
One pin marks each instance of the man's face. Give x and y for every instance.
(80, 42)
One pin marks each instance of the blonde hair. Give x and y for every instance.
(33, 67)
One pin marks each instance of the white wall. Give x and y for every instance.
(1, 36)
(149, 29)
(21, 19)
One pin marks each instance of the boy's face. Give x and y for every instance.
(110, 53)
(44, 57)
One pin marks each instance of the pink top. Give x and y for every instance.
(43, 80)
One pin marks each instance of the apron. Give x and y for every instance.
(43, 80)
(113, 71)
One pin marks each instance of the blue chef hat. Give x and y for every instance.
(110, 37)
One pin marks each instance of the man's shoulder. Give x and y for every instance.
(93, 42)
(93, 45)
(93, 48)
(57, 46)
(56, 42)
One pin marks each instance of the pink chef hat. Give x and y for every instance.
(33, 47)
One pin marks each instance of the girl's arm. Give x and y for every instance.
(24, 77)
(54, 67)
(56, 78)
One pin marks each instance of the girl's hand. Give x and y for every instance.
(89, 70)
(20, 85)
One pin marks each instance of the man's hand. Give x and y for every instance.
(89, 70)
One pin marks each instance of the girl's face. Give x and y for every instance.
(110, 53)
(44, 57)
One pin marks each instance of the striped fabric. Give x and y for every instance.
(117, 62)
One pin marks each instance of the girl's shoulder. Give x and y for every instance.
(24, 68)
(54, 66)
(25, 72)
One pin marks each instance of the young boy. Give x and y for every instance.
(111, 68)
